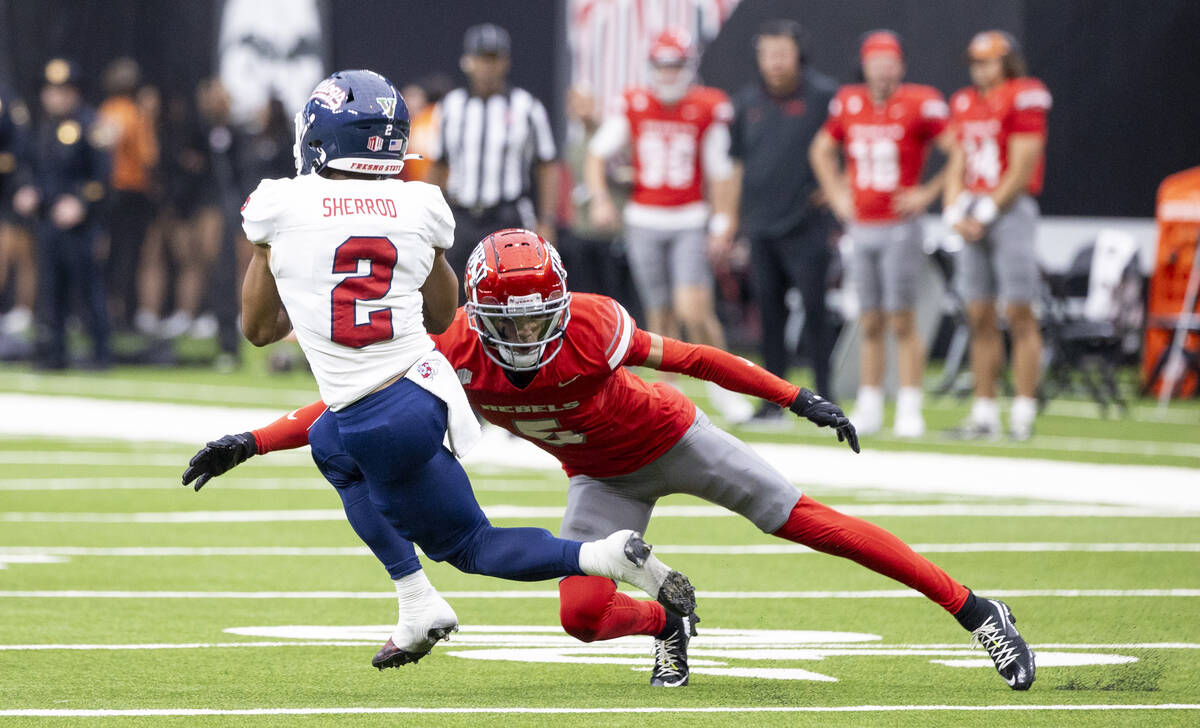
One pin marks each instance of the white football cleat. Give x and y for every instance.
(17, 321)
(626, 557)
(909, 425)
(868, 411)
(909, 421)
(415, 635)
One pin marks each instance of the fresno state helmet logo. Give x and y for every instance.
(375, 143)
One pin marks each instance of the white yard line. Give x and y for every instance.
(187, 712)
(851, 648)
(170, 482)
(886, 510)
(7, 553)
(553, 594)
(310, 480)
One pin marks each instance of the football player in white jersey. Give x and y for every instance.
(354, 261)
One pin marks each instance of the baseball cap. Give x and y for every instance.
(486, 39)
(880, 41)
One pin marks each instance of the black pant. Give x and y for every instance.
(598, 265)
(66, 265)
(470, 228)
(799, 261)
(129, 217)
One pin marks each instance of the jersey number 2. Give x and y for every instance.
(381, 254)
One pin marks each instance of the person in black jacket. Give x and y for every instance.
(64, 187)
(790, 229)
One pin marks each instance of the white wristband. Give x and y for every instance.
(984, 210)
(719, 224)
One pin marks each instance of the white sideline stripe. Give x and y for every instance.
(548, 594)
(1170, 488)
(7, 552)
(532, 512)
(106, 386)
(109, 386)
(126, 420)
(165, 712)
(127, 459)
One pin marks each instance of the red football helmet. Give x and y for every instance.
(672, 65)
(517, 299)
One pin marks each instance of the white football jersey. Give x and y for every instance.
(349, 258)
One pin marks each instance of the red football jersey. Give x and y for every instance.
(885, 144)
(583, 407)
(667, 159)
(983, 125)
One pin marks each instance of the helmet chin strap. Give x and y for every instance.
(525, 359)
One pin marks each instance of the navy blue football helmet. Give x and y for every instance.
(355, 121)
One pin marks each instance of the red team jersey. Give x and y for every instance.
(583, 407)
(983, 125)
(667, 143)
(885, 144)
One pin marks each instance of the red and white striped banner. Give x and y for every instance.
(610, 39)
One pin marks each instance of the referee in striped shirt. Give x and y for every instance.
(494, 145)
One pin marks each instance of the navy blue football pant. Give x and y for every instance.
(400, 485)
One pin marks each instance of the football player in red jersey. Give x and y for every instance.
(679, 135)
(549, 366)
(885, 128)
(994, 173)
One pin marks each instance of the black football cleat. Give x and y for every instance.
(670, 651)
(998, 634)
(392, 656)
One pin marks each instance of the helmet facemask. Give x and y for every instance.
(518, 334)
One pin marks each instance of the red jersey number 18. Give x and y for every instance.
(372, 286)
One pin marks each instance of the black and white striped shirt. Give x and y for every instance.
(490, 145)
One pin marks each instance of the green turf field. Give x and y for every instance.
(122, 591)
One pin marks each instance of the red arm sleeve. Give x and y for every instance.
(290, 431)
(731, 372)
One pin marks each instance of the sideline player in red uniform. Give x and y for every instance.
(679, 135)
(885, 128)
(549, 367)
(994, 172)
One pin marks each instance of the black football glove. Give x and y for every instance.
(823, 413)
(219, 456)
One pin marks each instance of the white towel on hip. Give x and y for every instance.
(433, 373)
